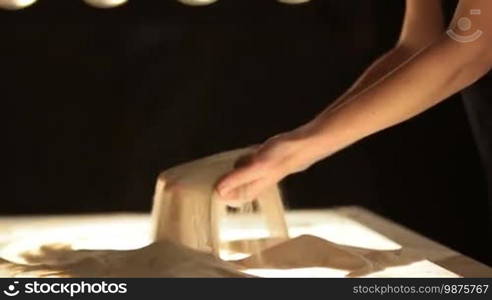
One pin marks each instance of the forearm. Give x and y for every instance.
(422, 25)
(377, 70)
(440, 68)
(434, 74)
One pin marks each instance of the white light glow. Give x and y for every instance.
(293, 1)
(105, 3)
(15, 4)
(197, 2)
(230, 256)
(131, 231)
(95, 233)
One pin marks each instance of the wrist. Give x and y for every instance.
(314, 143)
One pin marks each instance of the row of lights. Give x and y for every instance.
(19, 4)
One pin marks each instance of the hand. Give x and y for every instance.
(272, 161)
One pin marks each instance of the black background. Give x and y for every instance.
(102, 100)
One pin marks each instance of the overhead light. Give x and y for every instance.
(197, 2)
(293, 1)
(105, 3)
(15, 4)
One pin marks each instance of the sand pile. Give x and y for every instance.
(185, 221)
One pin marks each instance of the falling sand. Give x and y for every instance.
(188, 211)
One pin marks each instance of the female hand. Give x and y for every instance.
(278, 157)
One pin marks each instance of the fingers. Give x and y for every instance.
(252, 190)
(246, 184)
(248, 192)
(237, 178)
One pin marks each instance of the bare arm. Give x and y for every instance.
(423, 23)
(443, 68)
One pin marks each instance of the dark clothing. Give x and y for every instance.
(478, 104)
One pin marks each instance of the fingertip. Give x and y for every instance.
(223, 191)
(229, 195)
(228, 183)
(223, 187)
(235, 179)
